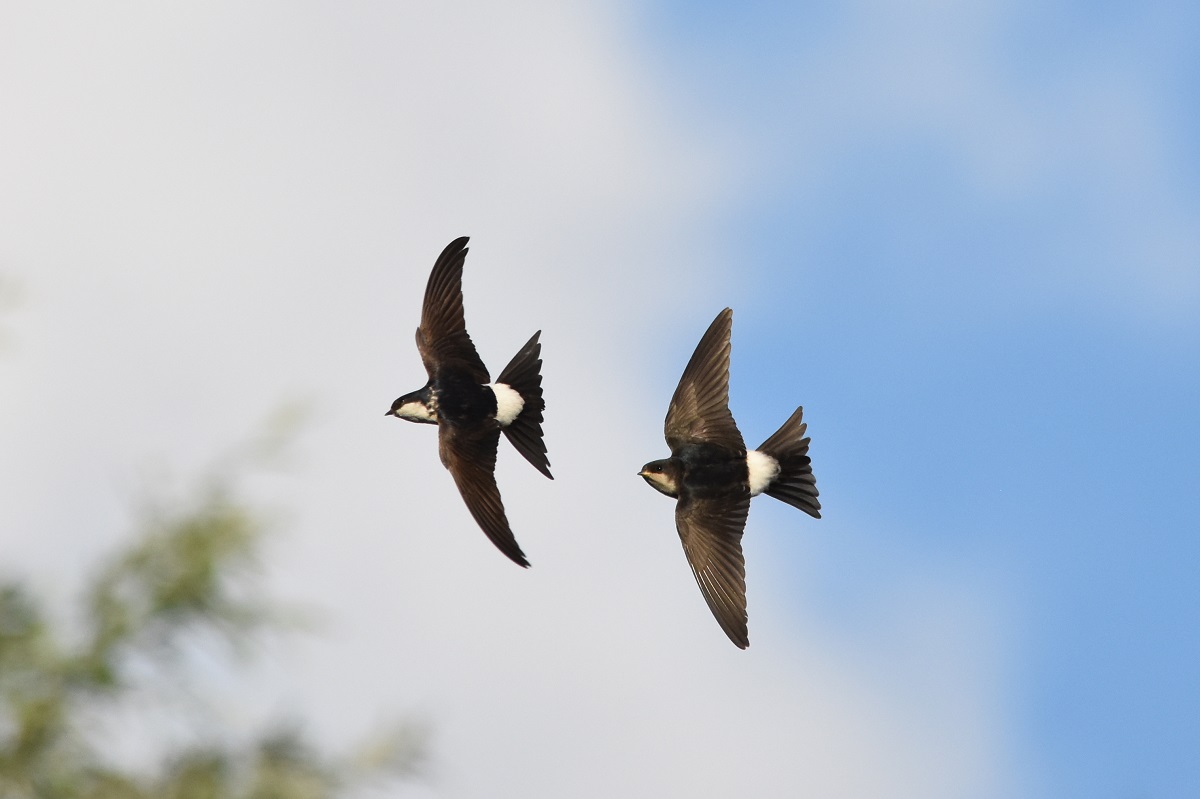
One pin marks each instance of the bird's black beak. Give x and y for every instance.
(389, 412)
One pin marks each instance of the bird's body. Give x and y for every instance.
(469, 409)
(713, 476)
(711, 470)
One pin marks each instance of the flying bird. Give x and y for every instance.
(713, 476)
(469, 409)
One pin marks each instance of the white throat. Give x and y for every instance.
(763, 471)
(509, 403)
(416, 412)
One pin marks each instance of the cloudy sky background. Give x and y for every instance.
(963, 236)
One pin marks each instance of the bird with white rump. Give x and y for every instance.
(713, 476)
(469, 409)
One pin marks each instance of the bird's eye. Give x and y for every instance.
(658, 468)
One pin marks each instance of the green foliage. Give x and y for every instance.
(182, 574)
(188, 573)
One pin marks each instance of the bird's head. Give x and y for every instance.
(663, 475)
(417, 406)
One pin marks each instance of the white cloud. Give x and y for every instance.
(217, 208)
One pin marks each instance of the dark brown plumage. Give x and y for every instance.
(468, 409)
(713, 477)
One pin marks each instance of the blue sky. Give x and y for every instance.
(962, 236)
(982, 244)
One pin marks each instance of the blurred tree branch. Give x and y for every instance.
(189, 571)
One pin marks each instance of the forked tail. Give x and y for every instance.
(795, 484)
(523, 374)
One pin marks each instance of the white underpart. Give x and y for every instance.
(509, 403)
(763, 471)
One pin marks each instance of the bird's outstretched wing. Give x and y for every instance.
(470, 455)
(442, 337)
(699, 410)
(711, 531)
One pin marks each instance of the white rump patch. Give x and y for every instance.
(763, 471)
(509, 403)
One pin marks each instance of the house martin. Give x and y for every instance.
(713, 476)
(469, 409)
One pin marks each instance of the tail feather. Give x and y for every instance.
(795, 484)
(523, 374)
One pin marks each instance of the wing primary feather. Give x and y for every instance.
(699, 409)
